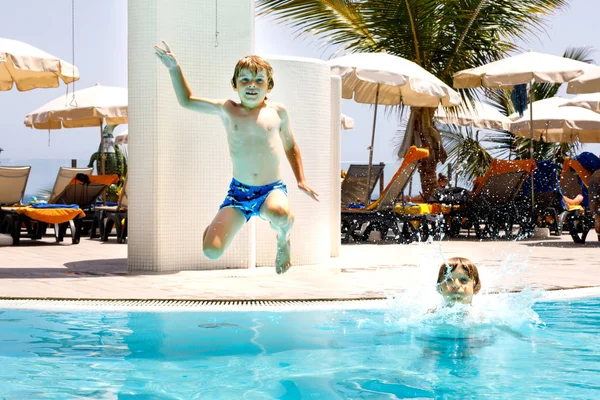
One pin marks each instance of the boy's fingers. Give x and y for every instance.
(167, 46)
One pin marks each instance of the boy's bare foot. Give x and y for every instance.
(282, 262)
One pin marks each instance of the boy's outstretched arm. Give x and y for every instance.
(292, 152)
(182, 89)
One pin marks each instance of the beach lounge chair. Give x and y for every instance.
(493, 209)
(574, 180)
(106, 217)
(65, 209)
(84, 191)
(549, 207)
(35, 221)
(380, 215)
(354, 185)
(439, 218)
(13, 181)
(64, 176)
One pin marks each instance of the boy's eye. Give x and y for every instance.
(244, 80)
(464, 280)
(259, 80)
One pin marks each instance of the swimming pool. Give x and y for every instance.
(326, 354)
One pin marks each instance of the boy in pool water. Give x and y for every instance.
(458, 280)
(254, 127)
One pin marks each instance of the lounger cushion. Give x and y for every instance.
(48, 215)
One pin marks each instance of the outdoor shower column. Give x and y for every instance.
(179, 167)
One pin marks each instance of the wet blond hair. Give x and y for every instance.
(453, 263)
(253, 64)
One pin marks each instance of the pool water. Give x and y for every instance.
(335, 354)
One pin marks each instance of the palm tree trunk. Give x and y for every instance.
(425, 135)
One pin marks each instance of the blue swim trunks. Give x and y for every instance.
(248, 199)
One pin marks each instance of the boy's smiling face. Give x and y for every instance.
(458, 287)
(252, 88)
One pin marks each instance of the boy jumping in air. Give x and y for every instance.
(255, 126)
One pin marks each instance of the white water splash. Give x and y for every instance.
(422, 305)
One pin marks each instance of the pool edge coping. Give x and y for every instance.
(178, 305)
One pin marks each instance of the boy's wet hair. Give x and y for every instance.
(253, 64)
(449, 266)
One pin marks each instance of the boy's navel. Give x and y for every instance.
(235, 127)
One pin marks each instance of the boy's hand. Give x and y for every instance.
(166, 56)
(306, 189)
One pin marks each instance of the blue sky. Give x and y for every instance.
(101, 56)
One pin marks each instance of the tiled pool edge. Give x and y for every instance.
(237, 305)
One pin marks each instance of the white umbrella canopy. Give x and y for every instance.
(381, 78)
(400, 81)
(560, 124)
(29, 68)
(591, 101)
(551, 103)
(481, 115)
(520, 69)
(347, 122)
(123, 138)
(586, 83)
(92, 106)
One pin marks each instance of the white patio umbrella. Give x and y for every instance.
(591, 101)
(560, 124)
(347, 122)
(381, 78)
(122, 140)
(524, 68)
(482, 115)
(586, 83)
(29, 67)
(551, 102)
(94, 106)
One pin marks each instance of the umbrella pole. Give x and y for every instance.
(101, 172)
(368, 195)
(531, 141)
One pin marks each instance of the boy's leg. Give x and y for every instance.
(276, 210)
(221, 231)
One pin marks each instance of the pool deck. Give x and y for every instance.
(96, 270)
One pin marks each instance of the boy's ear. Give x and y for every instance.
(438, 287)
(476, 288)
(233, 84)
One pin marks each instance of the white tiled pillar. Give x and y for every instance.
(336, 162)
(303, 85)
(179, 167)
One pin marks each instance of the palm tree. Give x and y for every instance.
(442, 36)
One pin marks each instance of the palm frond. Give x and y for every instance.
(335, 22)
(468, 155)
(443, 36)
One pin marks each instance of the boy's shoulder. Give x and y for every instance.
(231, 103)
(279, 108)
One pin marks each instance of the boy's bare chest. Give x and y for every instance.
(263, 123)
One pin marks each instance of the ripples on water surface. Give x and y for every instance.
(515, 350)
